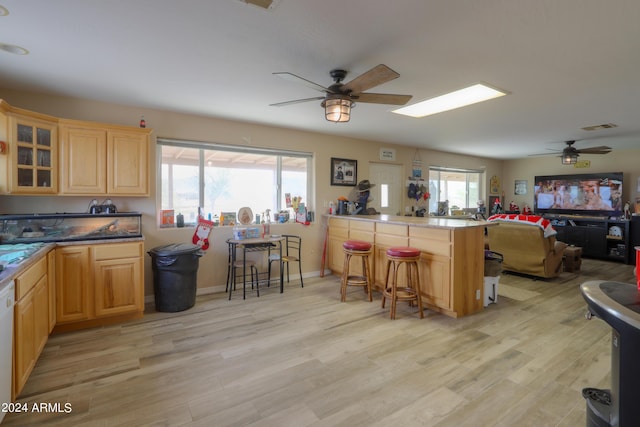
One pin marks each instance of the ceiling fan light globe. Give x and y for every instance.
(337, 110)
(569, 158)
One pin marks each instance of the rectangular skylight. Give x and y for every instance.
(450, 101)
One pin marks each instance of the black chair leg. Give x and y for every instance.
(287, 272)
(254, 269)
(300, 270)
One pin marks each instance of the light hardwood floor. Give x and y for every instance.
(305, 359)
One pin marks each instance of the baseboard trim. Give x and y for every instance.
(215, 289)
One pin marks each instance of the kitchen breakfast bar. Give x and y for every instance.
(451, 262)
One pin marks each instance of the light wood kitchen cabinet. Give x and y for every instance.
(25, 347)
(341, 230)
(51, 282)
(100, 281)
(364, 231)
(48, 155)
(83, 158)
(128, 162)
(387, 236)
(31, 164)
(72, 284)
(338, 234)
(98, 159)
(118, 279)
(31, 318)
(361, 230)
(434, 265)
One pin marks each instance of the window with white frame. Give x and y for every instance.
(223, 178)
(460, 187)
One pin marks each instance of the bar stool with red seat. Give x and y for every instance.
(396, 257)
(360, 249)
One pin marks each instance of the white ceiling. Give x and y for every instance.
(566, 63)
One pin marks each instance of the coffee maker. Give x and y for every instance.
(107, 207)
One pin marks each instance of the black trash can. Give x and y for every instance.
(175, 271)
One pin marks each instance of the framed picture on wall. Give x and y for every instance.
(344, 172)
(494, 185)
(520, 187)
(492, 204)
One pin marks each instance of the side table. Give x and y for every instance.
(572, 258)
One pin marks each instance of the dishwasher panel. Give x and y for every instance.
(6, 343)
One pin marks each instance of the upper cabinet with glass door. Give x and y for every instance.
(40, 154)
(31, 166)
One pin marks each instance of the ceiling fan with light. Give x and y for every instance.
(340, 97)
(569, 155)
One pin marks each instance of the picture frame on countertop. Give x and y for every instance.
(229, 218)
(344, 172)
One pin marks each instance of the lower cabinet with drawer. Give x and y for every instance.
(387, 236)
(338, 234)
(98, 284)
(31, 316)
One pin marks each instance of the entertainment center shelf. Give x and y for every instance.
(599, 237)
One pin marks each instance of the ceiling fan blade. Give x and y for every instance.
(603, 149)
(545, 154)
(297, 79)
(382, 98)
(374, 77)
(296, 101)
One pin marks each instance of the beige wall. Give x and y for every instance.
(212, 271)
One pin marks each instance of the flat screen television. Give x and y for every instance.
(590, 194)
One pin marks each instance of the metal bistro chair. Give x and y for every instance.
(291, 252)
(238, 264)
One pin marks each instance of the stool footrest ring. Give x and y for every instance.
(402, 294)
(357, 280)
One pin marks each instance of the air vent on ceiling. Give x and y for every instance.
(600, 127)
(264, 4)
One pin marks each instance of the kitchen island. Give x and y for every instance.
(451, 263)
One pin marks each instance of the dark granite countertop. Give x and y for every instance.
(14, 270)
